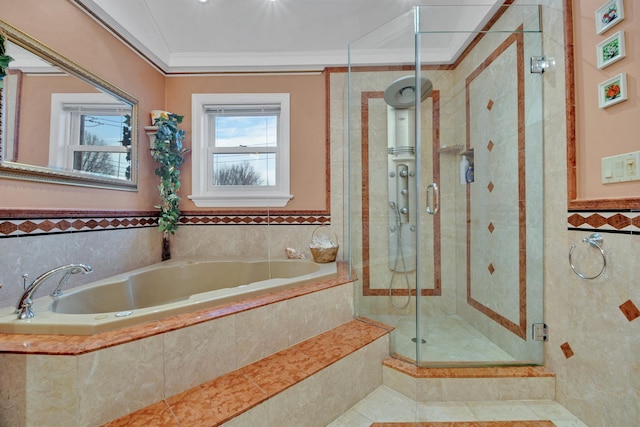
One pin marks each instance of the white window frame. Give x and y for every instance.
(64, 133)
(206, 195)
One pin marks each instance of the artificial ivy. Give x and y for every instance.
(168, 152)
(4, 59)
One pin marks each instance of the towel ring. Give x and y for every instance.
(594, 240)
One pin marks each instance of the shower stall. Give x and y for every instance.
(444, 167)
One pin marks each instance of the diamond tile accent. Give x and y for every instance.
(491, 268)
(8, 227)
(630, 310)
(596, 221)
(491, 227)
(28, 227)
(490, 186)
(490, 105)
(619, 221)
(490, 145)
(566, 350)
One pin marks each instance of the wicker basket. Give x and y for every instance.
(324, 254)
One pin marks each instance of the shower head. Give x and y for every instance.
(401, 93)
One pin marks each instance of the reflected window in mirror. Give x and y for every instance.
(90, 132)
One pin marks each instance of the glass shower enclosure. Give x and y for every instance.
(445, 181)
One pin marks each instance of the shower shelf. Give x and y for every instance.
(456, 148)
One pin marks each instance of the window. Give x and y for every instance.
(90, 133)
(240, 145)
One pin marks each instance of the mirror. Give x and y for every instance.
(63, 124)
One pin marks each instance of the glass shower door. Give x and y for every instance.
(484, 144)
(445, 185)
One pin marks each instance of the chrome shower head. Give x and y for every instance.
(401, 93)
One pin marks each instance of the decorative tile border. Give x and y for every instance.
(295, 219)
(37, 224)
(614, 221)
(14, 227)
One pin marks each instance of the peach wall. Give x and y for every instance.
(66, 29)
(614, 130)
(308, 139)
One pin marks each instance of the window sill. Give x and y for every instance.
(240, 200)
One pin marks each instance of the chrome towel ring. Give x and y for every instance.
(594, 240)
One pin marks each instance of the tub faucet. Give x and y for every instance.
(24, 310)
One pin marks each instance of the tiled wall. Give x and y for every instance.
(111, 250)
(593, 345)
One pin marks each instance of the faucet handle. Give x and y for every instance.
(25, 276)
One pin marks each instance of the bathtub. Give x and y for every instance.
(161, 290)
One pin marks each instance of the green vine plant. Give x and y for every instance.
(4, 59)
(169, 153)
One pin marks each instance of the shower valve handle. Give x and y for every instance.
(436, 198)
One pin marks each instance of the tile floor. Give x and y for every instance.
(387, 405)
(448, 338)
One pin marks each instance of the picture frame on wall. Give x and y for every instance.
(611, 50)
(612, 91)
(608, 15)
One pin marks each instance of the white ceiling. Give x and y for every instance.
(181, 36)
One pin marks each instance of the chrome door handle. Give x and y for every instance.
(436, 198)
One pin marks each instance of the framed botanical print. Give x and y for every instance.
(608, 15)
(611, 50)
(612, 91)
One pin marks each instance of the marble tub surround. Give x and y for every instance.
(78, 344)
(107, 375)
(353, 347)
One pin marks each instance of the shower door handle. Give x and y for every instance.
(436, 198)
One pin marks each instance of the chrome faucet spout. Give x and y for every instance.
(23, 308)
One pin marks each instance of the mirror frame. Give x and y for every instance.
(15, 170)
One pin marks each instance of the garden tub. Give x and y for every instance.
(161, 290)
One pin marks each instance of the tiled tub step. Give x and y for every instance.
(470, 424)
(284, 388)
(469, 384)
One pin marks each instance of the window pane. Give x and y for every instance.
(256, 169)
(246, 131)
(117, 165)
(108, 130)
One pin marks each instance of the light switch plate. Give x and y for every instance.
(621, 168)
